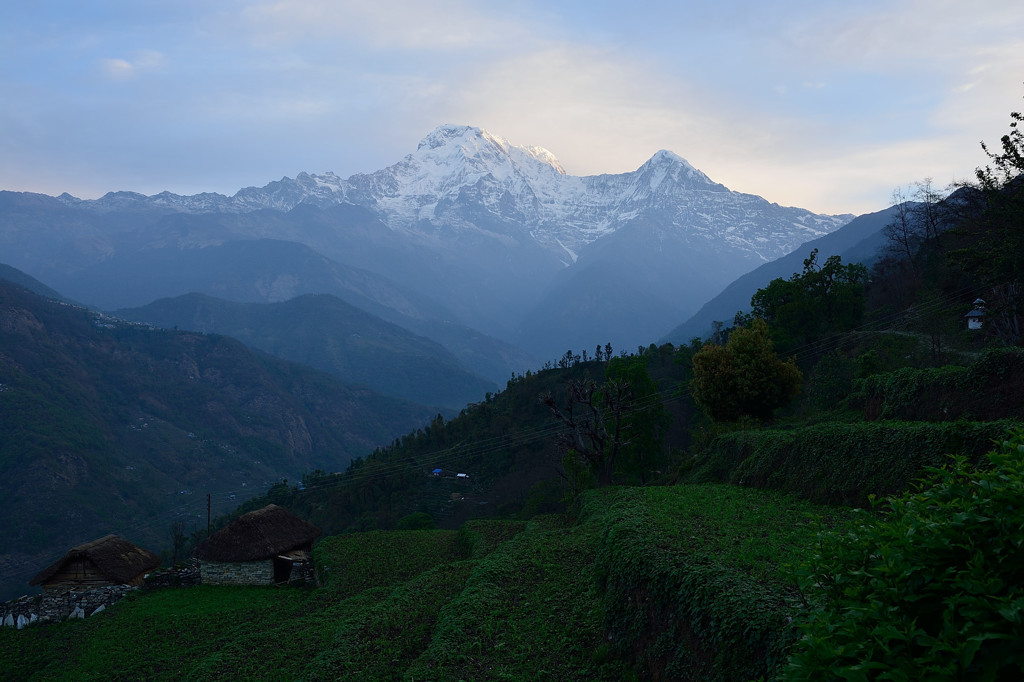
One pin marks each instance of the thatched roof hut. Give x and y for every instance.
(258, 547)
(110, 560)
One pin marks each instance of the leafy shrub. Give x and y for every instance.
(838, 463)
(744, 377)
(416, 521)
(932, 589)
(992, 387)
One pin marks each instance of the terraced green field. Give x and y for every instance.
(626, 588)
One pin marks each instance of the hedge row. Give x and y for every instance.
(992, 387)
(527, 611)
(692, 578)
(840, 463)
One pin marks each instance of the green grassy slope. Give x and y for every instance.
(606, 597)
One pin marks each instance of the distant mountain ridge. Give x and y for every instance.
(498, 236)
(859, 241)
(457, 165)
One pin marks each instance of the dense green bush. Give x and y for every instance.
(932, 589)
(415, 521)
(691, 577)
(992, 387)
(840, 463)
(746, 377)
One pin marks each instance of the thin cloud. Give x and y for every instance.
(124, 69)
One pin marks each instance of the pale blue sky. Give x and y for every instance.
(821, 104)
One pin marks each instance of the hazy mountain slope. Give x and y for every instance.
(105, 423)
(625, 287)
(484, 355)
(326, 333)
(856, 242)
(242, 257)
(18, 277)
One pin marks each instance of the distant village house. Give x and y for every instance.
(83, 582)
(111, 560)
(261, 547)
(976, 318)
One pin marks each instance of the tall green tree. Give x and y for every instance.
(615, 426)
(824, 299)
(646, 421)
(746, 377)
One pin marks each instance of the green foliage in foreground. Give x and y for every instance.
(158, 635)
(838, 463)
(397, 605)
(932, 589)
(694, 580)
(681, 582)
(354, 562)
(528, 611)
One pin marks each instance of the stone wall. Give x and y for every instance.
(182, 576)
(56, 606)
(237, 573)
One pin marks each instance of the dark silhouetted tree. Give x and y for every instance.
(611, 426)
(991, 243)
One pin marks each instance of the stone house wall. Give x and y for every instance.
(237, 572)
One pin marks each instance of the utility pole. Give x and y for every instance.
(207, 514)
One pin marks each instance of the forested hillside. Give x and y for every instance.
(508, 446)
(116, 427)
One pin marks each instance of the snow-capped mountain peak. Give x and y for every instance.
(459, 161)
(665, 164)
(545, 157)
(449, 134)
(449, 147)
(465, 179)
